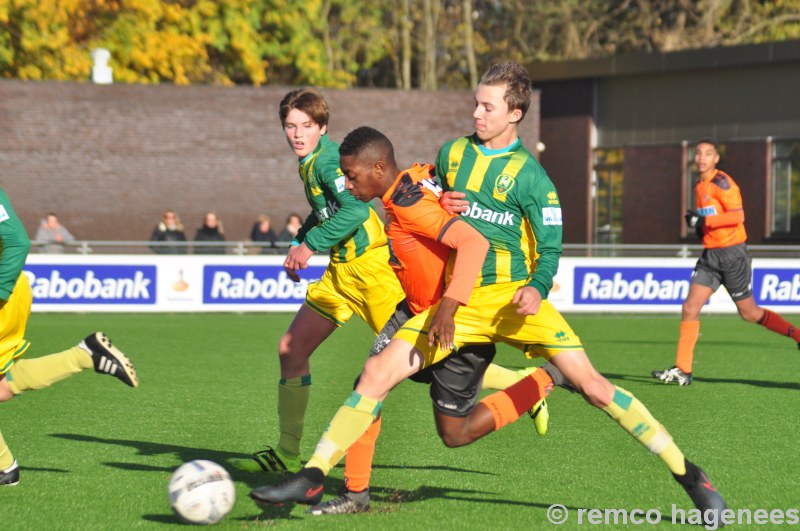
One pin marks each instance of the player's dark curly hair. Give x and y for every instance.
(366, 139)
(708, 141)
(518, 85)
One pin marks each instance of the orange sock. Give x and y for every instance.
(776, 323)
(509, 404)
(358, 461)
(690, 331)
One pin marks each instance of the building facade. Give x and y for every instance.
(619, 135)
(110, 159)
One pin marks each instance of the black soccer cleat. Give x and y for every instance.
(348, 502)
(108, 359)
(10, 476)
(699, 488)
(297, 488)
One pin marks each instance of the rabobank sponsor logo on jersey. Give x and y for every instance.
(631, 285)
(92, 284)
(776, 286)
(475, 211)
(255, 284)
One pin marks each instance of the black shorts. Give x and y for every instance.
(726, 266)
(456, 381)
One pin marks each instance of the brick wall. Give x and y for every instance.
(746, 163)
(652, 200)
(567, 160)
(109, 159)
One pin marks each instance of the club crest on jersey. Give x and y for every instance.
(503, 184)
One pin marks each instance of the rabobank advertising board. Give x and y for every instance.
(662, 284)
(181, 283)
(194, 283)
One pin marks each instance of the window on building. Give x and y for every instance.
(607, 194)
(786, 188)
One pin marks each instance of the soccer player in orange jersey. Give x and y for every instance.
(422, 236)
(718, 219)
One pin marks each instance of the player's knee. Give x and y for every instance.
(5, 391)
(453, 438)
(753, 315)
(374, 379)
(597, 391)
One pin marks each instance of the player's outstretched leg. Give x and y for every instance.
(637, 420)
(108, 359)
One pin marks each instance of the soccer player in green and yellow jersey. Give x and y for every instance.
(357, 281)
(18, 375)
(511, 198)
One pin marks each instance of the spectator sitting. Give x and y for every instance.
(52, 235)
(262, 233)
(169, 229)
(293, 224)
(211, 231)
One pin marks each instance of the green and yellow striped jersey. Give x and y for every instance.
(513, 203)
(338, 221)
(14, 246)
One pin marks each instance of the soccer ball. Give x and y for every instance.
(201, 492)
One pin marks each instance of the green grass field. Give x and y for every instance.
(98, 455)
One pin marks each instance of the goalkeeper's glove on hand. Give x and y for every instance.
(695, 221)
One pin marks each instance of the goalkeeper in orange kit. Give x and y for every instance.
(718, 219)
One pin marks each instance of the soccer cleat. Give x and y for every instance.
(10, 476)
(108, 359)
(540, 416)
(268, 460)
(296, 488)
(703, 494)
(347, 502)
(673, 375)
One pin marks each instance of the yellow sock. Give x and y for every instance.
(293, 395)
(37, 373)
(498, 378)
(350, 422)
(6, 458)
(634, 417)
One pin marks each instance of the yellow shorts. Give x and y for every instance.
(366, 286)
(13, 319)
(491, 317)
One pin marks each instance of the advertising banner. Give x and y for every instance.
(197, 283)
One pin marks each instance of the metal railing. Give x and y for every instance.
(242, 248)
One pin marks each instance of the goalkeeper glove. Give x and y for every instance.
(695, 221)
